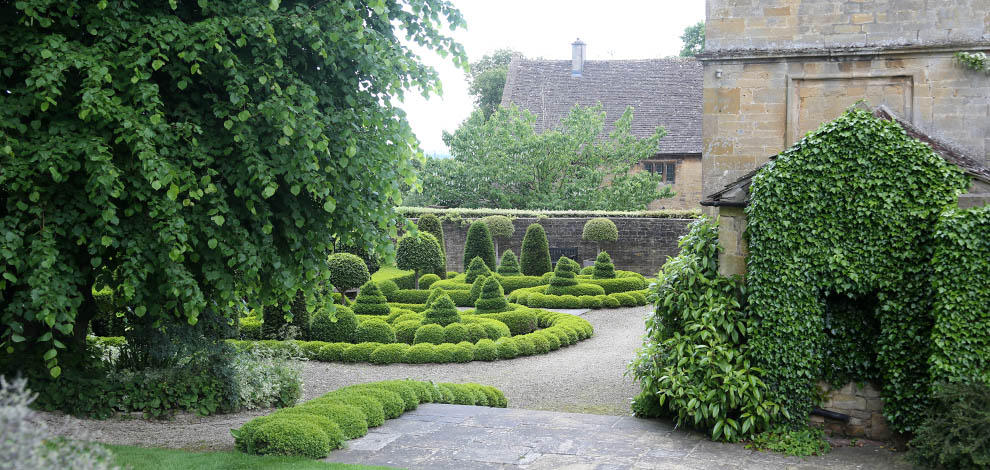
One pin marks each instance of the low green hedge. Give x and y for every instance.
(520, 321)
(577, 290)
(413, 307)
(534, 297)
(318, 426)
(618, 284)
(461, 213)
(509, 283)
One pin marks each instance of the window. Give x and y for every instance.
(666, 169)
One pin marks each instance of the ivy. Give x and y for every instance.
(203, 152)
(848, 212)
(974, 60)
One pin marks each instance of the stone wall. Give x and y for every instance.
(799, 24)
(687, 186)
(862, 404)
(644, 243)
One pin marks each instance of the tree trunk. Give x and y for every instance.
(87, 311)
(498, 254)
(416, 279)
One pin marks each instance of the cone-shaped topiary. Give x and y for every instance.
(604, 269)
(347, 271)
(492, 299)
(510, 265)
(442, 310)
(600, 230)
(500, 227)
(429, 223)
(563, 276)
(535, 258)
(476, 287)
(479, 243)
(370, 301)
(300, 316)
(420, 253)
(475, 269)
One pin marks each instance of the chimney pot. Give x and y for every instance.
(577, 58)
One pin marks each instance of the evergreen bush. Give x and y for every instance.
(509, 265)
(492, 298)
(455, 333)
(442, 310)
(500, 227)
(563, 276)
(338, 327)
(479, 243)
(427, 280)
(430, 333)
(604, 269)
(347, 271)
(405, 331)
(954, 433)
(374, 331)
(476, 289)
(600, 230)
(535, 255)
(476, 268)
(429, 223)
(370, 301)
(418, 253)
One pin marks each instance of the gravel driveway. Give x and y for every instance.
(583, 378)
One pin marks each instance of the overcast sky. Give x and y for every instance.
(616, 29)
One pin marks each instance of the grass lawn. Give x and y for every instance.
(388, 272)
(145, 458)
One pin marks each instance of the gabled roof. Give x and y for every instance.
(736, 193)
(662, 92)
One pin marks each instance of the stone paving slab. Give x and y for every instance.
(455, 437)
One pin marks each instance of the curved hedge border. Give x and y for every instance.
(534, 297)
(314, 428)
(558, 330)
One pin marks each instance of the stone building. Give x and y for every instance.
(662, 92)
(776, 69)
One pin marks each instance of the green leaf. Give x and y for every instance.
(56, 371)
(157, 64)
(330, 204)
(244, 115)
(273, 4)
(106, 240)
(218, 219)
(212, 243)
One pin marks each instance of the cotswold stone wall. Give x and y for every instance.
(644, 243)
(864, 407)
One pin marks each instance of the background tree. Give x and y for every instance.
(347, 272)
(206, 152)
(429, 223)
(600, 230)
(500, 227)
(694, 40)
(479, 244)
(486, 80)
(503, 162)
(535, 258)
(419, 252)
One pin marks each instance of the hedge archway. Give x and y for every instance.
(847, 211)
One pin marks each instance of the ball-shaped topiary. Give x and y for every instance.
(509, 265)
(604, 269)
(388, 354)
(600, 230)
(476, 332)
(351, 420)
(429, 333)
(479, 243)
(297, 435)
(476, 268)
(455, 333)
(500, 227)
(463, 352)
(374, 331)
(370, 258)
(486, 350)
(370, 301)
(420, 253)
(507, 348)
(421, 353)
(337, 327)
(442, 310)
(405, 331)
(388, 288)
(429, 223)
(347, 271)
(492, 298)
(535, 257)
(427, 280)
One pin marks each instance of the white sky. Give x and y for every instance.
(616, 29)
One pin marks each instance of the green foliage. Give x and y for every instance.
(389, 353)
(374, 331)
(492, 298)
(693, 39)
(427, 280)
(960, 346)
(442, 310)
(476, 288)
(300, 315)
(405, 331)
(429, 223)
(360, 352)
(476, 268)
(370, 301)
(535, 258)
(506, 347)
(974, 60)
(388, 288)
(455, 333)
(953, 433)
(694, 364)
(463, 352)
(421, 353)
(619, 284)
(486, 80)
(505, 162)
(430, 333)
(337, 326)
(347, 271)
(303, 435)
(458, 214)
(500, 227)
(563, 276)
(350, 419)
(273, 322)
(479, 244)
(418, 252)
(250, 328)
(600, 230)
(847, 211)
(603, 269)
(799, 442)
(509, 265)
(485, 350)
(370, 257)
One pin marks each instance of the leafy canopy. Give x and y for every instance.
(203, 152)
(503, 162)
(693, 39)
(486, 80)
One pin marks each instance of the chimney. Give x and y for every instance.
(577, 58)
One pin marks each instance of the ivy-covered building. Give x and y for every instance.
(662, 92)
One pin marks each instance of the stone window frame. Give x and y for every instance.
(669, 168)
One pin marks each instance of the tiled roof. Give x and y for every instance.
(662, 92)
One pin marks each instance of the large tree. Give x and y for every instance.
(202, 152)
(694, 40)
(503, 162)
(486, 79)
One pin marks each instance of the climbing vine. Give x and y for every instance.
(847, 212)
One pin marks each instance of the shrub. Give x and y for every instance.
(500, 227)
(350, 419)
(463, 352)
(493, 329)
(405, 331)
(429, 223)
(409, 316)
(798, 442)
(486, 350)
(576, 290)
(303, 435)
(455, 333)
(360, 352)
(524, 344)
(954, 433)
(410, 296)
(392, 403)
(506, 347)
(370, 407)
(430, 333)
(587, 270)
(427, 280)
(541, 345)
(419, 253)
(273, 322)
(250, 328)
(442, 310)
(374, 331)
(610, 302)
(476, 288)
(445, 352)
(347, 271)
(331, 352)
(338, 327)
(370, 258)
(619, 284)
(535, 256)
(264, 379)
(300, 315)
(476, 332)
(422, 353)
(520, 322)
(563, 276)
(552, 339)
(476, 268)
(509, 265)
(479, 244)
(603, 269)
(624, 299)
(589, 301)
(388, 288)
(370, 301)
(389, 353)
(492, 298)
(600, 230)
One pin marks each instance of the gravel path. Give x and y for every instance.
(583, 378)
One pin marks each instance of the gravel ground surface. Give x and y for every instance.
(583, 378)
